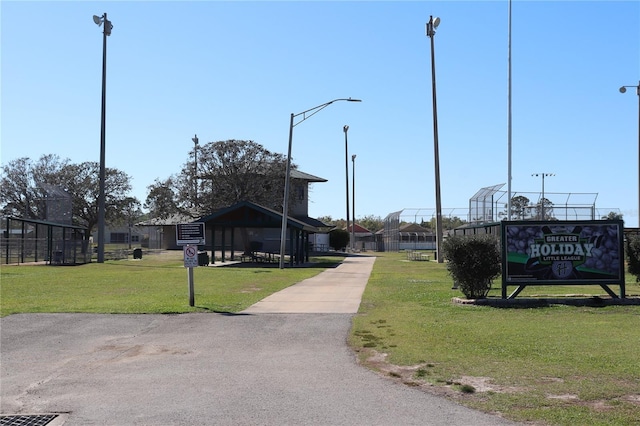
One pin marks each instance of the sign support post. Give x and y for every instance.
(190, 235)
(190, 262)
(192, 299)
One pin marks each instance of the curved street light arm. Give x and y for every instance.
(287, 176)
(319, 108)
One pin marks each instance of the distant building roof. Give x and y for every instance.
(412, 227)
(315, 222)
(358, 229)
(297, 174)
(248, 214)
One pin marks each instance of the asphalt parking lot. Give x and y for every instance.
(251, 368)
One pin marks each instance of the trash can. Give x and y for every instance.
(203, 258)
(137, 253)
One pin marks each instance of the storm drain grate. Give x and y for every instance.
(30, 420)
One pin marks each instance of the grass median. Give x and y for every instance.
(155, 284)
(557, 365)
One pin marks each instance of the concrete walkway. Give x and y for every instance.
(334, 291)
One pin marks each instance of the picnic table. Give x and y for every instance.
(266, 257)
(417, 255)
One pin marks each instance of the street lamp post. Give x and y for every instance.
(509, 117)
(542, 200)
(99, 20)
(431, 27)
(346, 173)
(287, 177)
(195, 169)
(622, 90)
(353, 203)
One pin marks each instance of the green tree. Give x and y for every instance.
(613, 216)
(81, 181)
(26, 186)
(371, 222)
(22, 185)
(129, 215)
(447, 223)
(326, 219)
(544, 210)
(161, 200)
(519, 207)
(228, 172)
(338, 239)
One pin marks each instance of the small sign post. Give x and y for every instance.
(190, 262)
(190, 235)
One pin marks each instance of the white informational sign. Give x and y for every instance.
(190, 256)
(190, 233)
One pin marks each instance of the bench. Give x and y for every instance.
(417, 255)
(116, 254)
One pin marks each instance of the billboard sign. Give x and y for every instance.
(563, 253)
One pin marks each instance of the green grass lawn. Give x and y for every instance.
(153, 284)
(559, 365)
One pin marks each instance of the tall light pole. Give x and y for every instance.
(195, 169)
(622, 90)
(509, 131)
(287, 177)
(542, 200)
(431, 27)
(353, 199)
(346, 172)
(99, 20)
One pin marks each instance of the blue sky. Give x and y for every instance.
(237, 70)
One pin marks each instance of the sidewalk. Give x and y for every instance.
(334, 291)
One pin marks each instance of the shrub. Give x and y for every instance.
(473, 262)
(338, 239)
(633, 255)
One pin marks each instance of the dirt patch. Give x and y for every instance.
(418, 376)
(251, 290)
(565, 397)
(550, 380)
(128, 353)
(455, 388)
(634, 399)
